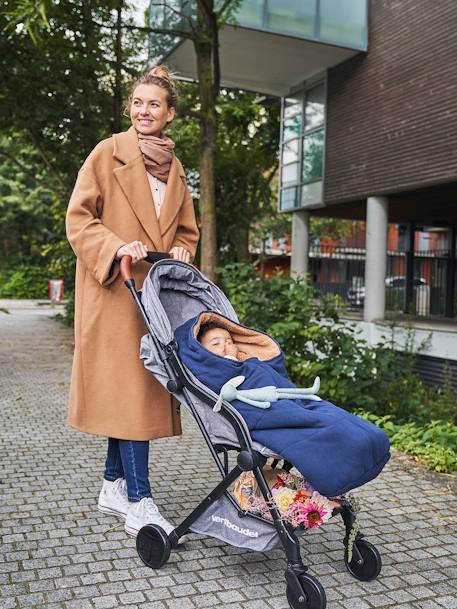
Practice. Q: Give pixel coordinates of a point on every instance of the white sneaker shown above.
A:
(113, 498)
(145, 512)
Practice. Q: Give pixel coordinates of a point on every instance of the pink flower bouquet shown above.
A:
(298, 503)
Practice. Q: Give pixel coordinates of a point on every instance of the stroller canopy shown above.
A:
(174, 292)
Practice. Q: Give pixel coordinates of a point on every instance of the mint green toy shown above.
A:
(261, 397)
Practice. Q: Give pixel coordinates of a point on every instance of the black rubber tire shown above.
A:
(314, 594)
(153, 546)
(371, 565)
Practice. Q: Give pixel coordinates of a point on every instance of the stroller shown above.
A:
(172, 293)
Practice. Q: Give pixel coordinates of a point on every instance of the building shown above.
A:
(368, 130)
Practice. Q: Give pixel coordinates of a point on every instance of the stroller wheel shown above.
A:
(153, 546)
(369, 567)
(313, 596)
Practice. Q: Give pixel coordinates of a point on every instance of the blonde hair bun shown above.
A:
(162, 72)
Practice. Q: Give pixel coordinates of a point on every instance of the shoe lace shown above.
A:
(153, 510)
(120, 488)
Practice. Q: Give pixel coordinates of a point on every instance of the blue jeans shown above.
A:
(129, 459)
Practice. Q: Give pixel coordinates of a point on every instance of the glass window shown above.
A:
(303, 136)
(314, 107)
(250, 13)
(288, 198)
(289, 173)
(290, 152)
(292, 16)
(313, 145)
(344, 22)
(292, 106)
(292, 127)
(292, 118)
(311, 193)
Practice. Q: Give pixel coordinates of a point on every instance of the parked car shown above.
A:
(395, 289)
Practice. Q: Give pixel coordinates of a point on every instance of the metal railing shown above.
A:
(341, 271)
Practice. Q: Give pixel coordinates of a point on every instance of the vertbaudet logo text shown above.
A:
(234, 527)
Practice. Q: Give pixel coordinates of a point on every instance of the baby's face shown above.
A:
(219, 341)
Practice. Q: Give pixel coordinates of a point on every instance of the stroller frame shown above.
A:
(303, 590)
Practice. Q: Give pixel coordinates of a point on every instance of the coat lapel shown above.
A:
(174, 196)
(133, 180)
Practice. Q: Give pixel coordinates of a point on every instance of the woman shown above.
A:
(130, 197)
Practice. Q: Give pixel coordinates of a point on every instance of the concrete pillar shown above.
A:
(376, 258)
(300, 243)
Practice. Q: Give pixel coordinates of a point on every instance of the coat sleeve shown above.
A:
(93, 243)
(187, 233)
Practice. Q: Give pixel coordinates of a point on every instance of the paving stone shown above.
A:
(60, 553)
(8, 603)
(85, 591)
(78, 604)
(381, 600)
(183, 590)
(429, 604)
(105, 602)
(111, 588)
(30, 600)
(181, 603)
(206, 600)
(229, 596)
(132, 597)
(158, 594)
(421, 592)
(400, 596)
(449, 602)
(355, 603)
(59, 595)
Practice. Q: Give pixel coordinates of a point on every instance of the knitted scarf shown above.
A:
(157, 155)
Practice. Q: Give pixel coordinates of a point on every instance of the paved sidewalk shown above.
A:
(58, 552)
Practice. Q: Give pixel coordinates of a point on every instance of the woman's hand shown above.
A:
(179, 253)
(137, 250)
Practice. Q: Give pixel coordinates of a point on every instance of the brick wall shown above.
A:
(392, 113)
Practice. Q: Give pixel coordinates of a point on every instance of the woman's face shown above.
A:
(149, 111)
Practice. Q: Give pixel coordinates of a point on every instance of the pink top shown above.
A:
(158, 189)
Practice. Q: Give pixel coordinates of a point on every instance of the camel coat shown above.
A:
(111, 393)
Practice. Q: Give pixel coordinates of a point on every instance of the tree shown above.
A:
(62, 78)
(246, 165)
(62, 88)
(29, 203)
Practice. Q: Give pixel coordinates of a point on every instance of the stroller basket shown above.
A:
(172, 293)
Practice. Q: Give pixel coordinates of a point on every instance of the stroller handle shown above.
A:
(126, 263)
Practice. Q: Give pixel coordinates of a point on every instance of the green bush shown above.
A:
(24, 282)
(434, 444)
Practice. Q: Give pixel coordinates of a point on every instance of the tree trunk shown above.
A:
(88, 51)
(117, 101)
(206, 48)
(241, 239)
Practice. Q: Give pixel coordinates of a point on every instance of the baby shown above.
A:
(218, 340)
